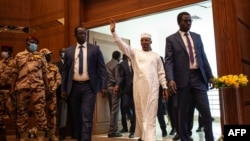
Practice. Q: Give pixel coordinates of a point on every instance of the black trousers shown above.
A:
(161, 113)
(82, 101)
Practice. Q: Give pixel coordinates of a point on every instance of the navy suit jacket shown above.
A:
(59, 64)
(177, 59)
(125, 77)
(96, 68)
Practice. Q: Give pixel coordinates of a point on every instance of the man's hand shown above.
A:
(165, 94)
(116, 89)
(104, 92)
(112, 25)
(211, 82)
(172, 87)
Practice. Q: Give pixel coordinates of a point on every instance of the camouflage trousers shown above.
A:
(51, 111)
(34, 98)
(7, 105)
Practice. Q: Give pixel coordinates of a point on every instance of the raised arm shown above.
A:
(123, 46)
(112, 25)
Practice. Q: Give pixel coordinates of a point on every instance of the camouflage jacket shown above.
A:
(54, 76)
(6, 66)
(29, 67)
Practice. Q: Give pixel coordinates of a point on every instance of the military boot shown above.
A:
(40, 136)
(23, 136)
(52, 136)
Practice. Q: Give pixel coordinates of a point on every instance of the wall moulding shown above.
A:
(95, 12)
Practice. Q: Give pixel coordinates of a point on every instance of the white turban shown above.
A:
(145, 35)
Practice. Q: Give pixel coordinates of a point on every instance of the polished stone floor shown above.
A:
(197, 136)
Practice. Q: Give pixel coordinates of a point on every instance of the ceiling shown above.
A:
(26, 29)
(200, 12)
(159, 19)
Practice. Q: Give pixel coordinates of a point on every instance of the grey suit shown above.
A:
(192, 85)
(82, 95)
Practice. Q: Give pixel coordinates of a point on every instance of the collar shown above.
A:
(84, 44)
(182, 33)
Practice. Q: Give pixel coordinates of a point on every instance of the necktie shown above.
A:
(80, 60)
(191, 55)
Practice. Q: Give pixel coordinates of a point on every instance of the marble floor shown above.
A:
(197, 136)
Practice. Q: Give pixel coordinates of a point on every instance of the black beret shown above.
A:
(32, 38)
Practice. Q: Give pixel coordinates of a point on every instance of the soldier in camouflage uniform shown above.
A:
(6, 107)
(54, 78)
(30, 83)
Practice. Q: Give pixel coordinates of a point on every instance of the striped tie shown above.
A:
(191, 55)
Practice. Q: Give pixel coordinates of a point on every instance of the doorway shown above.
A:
(160, 25)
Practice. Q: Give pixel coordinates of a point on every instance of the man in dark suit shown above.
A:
(124, 84)
(83, 76)
(188, 74)
(62, 104)
(161, 112)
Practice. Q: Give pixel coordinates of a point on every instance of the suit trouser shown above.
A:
(127, 104)
(199, 121)
(194, 95)
(114, 113)
(172, 112)
(82, 101)
(124, 114)
(161, 113)
(61, 117)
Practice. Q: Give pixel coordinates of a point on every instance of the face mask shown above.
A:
(33, 47)
(62, 55)
(4, 54)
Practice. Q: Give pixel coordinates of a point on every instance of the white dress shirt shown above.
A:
(195, 64)
(84, 76)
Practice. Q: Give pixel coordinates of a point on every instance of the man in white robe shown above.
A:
(149, 74)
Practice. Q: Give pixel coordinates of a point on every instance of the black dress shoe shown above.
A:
(140, 139)
(61, 138)
(164, 133)
(124, 130)
(200, 129)
(176, 137)
(73, 137)
(190, 133)
(172, 132)
(131, 135)
(116, 134)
